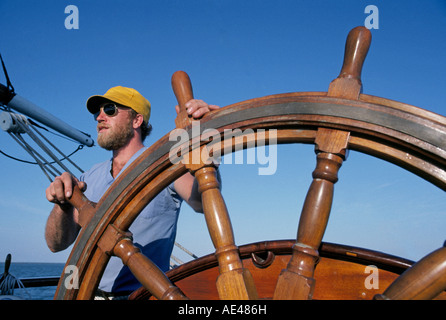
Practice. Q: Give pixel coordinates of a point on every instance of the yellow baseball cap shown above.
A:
(127, 97)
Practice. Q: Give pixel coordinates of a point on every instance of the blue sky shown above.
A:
(233, 51)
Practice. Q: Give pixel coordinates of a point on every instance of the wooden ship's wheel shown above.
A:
(304, 268)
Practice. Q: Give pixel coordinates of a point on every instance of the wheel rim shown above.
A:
(409, 137)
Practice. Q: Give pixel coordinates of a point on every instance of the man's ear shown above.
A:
(138, 121)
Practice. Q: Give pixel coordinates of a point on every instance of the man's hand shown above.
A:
(197, 108)
(61, 189)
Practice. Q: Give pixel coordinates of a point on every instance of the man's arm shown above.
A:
(62, 226)
(187, 186)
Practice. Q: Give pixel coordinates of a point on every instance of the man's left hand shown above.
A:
(197, 108)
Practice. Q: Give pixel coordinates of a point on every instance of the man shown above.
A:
(122, 116)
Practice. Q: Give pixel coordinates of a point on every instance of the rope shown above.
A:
(46, 166)
(8, 81)
(173, 265)
(9, 283)
(172, 257)
(185, 250)
(34, 163)
(28, 126)
(57, 149)
(28, 149)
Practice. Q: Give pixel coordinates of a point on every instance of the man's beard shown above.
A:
(116, 137)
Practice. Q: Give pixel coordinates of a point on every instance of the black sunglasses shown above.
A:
(110, 109)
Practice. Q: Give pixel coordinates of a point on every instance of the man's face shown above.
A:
(114, 132)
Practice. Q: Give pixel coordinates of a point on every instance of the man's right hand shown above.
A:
(61, 189)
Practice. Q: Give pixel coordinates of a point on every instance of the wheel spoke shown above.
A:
(85, 207)
(348, 84)
(423, 281)
(296, 282)
(119, 243)
(234, 281)
(147, 273)
(409, 137)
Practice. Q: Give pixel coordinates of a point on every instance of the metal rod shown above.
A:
(28, 108)
(57, 149)
(25, 127)
(185, 250)
(23, 144)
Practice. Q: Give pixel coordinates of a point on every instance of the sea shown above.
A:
(25, 270)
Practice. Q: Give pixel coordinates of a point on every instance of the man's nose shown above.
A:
(100, 116)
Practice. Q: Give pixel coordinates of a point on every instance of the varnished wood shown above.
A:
(89, 277)
(234, 281)
(340, 273)
(296, 281)
(150, 276)
(409, 137)
(348, 84)
(425, 280)
(182, 89)
(119, 243)
(419, 163)
(85, 207)
(148, 273)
